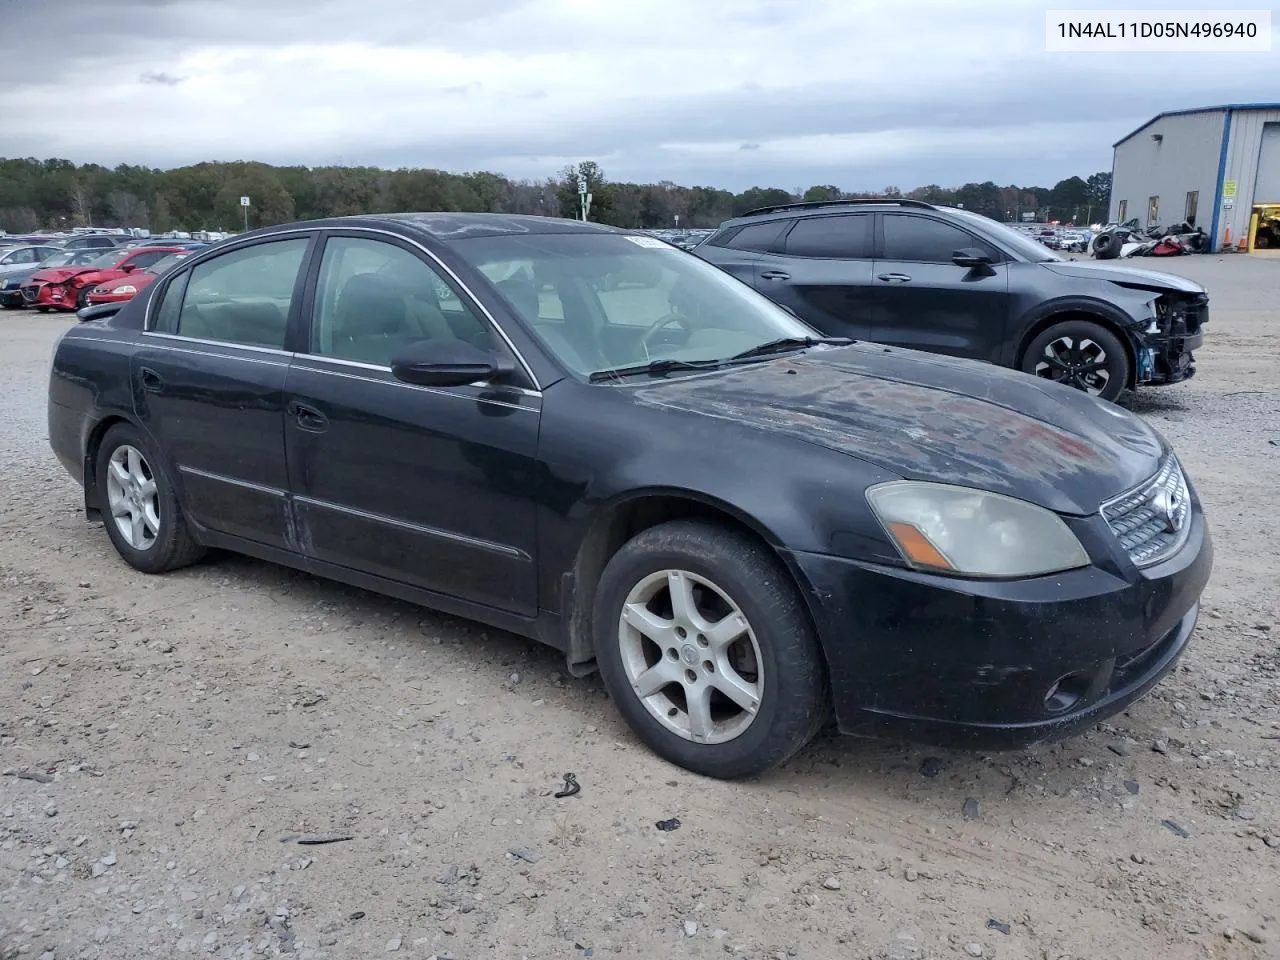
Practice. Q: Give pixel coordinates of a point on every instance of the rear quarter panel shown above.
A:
(88, 383)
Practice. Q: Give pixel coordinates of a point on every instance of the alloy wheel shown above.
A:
(132, 497)
(691, 656)
(1075, 362)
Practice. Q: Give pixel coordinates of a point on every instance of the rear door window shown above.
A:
(840, 237)
(757, 237)
(243, 296)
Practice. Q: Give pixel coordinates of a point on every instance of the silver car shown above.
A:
(18, 259)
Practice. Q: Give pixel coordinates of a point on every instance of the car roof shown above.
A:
(447, 226)
(823, 207)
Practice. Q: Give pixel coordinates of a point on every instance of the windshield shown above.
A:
(61, 259)
(1010, 238)
(106, 259)
(160, 266)
(603, 301)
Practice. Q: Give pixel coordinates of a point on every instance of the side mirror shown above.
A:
(447, 363)
(970, 257)
(129, 267)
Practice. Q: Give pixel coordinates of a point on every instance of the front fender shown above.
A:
(795, 495)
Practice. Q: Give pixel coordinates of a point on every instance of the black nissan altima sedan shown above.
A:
(748, 529)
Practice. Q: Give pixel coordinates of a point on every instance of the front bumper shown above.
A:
(96, 298)
(1165, 351)
(11, 298)
(1000, 664)
(51, 295)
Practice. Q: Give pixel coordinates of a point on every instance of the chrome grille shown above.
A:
(1151, 521)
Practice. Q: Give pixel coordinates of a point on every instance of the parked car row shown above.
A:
(751, 524)
(71, 279)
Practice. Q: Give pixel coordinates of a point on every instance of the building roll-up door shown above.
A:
(1267, 189)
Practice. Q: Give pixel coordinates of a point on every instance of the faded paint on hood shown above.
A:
(1134, 275)
(928, 417)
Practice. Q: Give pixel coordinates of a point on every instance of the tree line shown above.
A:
(58, 194)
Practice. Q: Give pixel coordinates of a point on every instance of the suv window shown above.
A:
(24, 255)
(841, 237)
(925, 240)
(760, 237)
(374, 298)
(243, 296)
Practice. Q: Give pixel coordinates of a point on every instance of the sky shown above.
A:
(862, 94)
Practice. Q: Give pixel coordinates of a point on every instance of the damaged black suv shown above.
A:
(946, 280)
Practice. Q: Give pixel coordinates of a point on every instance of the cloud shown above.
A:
(720, 92)
(160, 77)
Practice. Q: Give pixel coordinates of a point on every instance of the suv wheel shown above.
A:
(1080, 354)
(706, 648)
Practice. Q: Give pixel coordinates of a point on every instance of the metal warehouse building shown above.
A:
(1215, 166)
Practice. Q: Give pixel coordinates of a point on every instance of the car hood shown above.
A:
(1153, 279)
(57, 274)
(928, 417)
(92, 278)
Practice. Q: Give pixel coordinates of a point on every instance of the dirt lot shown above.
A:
(186, 724)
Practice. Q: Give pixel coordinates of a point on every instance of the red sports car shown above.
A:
(128, 287)
(67, 288)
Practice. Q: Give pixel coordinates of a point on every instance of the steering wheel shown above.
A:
(662, 323)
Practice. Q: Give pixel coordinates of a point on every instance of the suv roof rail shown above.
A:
(848, 201)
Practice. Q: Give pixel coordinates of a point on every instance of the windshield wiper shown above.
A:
(789, 343)
(652, 367)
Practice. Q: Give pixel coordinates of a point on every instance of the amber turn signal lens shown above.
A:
(915, 546)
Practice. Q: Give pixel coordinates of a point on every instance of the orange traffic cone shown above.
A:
(1226, 243)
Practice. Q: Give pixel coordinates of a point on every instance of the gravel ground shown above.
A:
(179, 728)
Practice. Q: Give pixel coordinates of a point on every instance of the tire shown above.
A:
(11, 306)
(1082, 344)
(167, 544)
(789, 691)
(1107, 246)
(82, 298)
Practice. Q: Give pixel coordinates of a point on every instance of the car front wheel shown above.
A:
(139, 505)
(1080, 354)
(707, 650)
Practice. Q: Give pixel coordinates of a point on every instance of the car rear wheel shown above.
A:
(139, 506)
(1080, 354)
(707, 650)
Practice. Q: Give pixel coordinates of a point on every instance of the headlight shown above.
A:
(127, 288)
(973, 533)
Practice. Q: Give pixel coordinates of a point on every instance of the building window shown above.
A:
(1193, 201)
(1153, 210)
(1123, 213)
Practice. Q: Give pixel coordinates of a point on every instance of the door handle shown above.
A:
(775, 275)
(151, 381)
(893, 277)
(309, 418)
